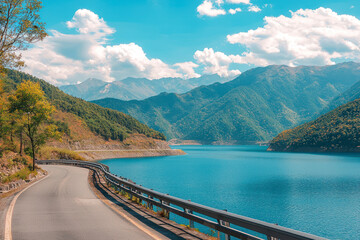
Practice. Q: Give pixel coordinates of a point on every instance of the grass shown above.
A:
(59, 153)
(22, 174)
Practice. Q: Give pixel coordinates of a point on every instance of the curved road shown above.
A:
(63, 206)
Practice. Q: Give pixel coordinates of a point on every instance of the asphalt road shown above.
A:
(62, 206)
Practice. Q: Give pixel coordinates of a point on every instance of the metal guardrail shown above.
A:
(167, 202)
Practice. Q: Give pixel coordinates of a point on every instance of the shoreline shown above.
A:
(179, 142)
(98, 155)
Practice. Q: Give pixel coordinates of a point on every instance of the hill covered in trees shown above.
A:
(255, 106)
(336, 131)
(107, 123)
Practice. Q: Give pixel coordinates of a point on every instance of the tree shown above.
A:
(20, 26)
(3, 104)
(30, 103)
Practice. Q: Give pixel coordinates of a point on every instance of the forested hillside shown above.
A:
(256, 106)
(107, 123)
(336, 131)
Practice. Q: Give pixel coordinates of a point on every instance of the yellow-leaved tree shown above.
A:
(30, 104)
(20, 26)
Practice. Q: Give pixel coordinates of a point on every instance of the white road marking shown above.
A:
(9, 213)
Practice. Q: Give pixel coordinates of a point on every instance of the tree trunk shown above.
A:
(33, 153)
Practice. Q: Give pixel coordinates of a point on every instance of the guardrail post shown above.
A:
(149, 204)
(226, 224)
(140, 200)
(166, 212)
(191, 222)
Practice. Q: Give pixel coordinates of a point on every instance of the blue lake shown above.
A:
(314, 193)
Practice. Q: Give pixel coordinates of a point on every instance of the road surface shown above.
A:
(62, 206)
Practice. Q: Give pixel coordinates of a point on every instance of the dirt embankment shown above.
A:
(134, 146)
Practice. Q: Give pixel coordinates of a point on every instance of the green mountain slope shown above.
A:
(348, 96)
(336, 131)
(137, 88)
(107, 123)
(256, 106)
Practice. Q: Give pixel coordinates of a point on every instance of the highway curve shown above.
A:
(62, 206)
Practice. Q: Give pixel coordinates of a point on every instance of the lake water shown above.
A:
(314, 193)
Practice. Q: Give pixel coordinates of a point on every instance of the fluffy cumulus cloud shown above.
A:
(68, 58)
(85, 21)
(213, 8)
(307, 37)
(217, 62)
(207, 8)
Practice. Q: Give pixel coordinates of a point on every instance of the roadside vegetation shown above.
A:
(14, 167)
(46, 153)
(22, 112)
(25, 126)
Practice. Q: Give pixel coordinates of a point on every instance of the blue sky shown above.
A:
(184, 38)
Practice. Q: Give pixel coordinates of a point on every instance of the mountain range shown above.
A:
(137, 88)
(256, 106)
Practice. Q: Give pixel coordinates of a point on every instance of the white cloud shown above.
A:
(233, 11)
(85, 21)
(238, 1)
(207, 8)
(216, 62)
(310, 37)
(187, 69)
(254, 8)
(68, 58)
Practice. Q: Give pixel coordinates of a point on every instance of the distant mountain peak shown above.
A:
(132, 88)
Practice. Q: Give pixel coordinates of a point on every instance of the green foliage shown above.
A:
(256, 106)
(22, 174)
(107, 123)
(62, 127)
(32, 109)
(336, 131)
(3, 116)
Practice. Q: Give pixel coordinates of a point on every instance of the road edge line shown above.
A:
(9, 213)
(128, 218)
